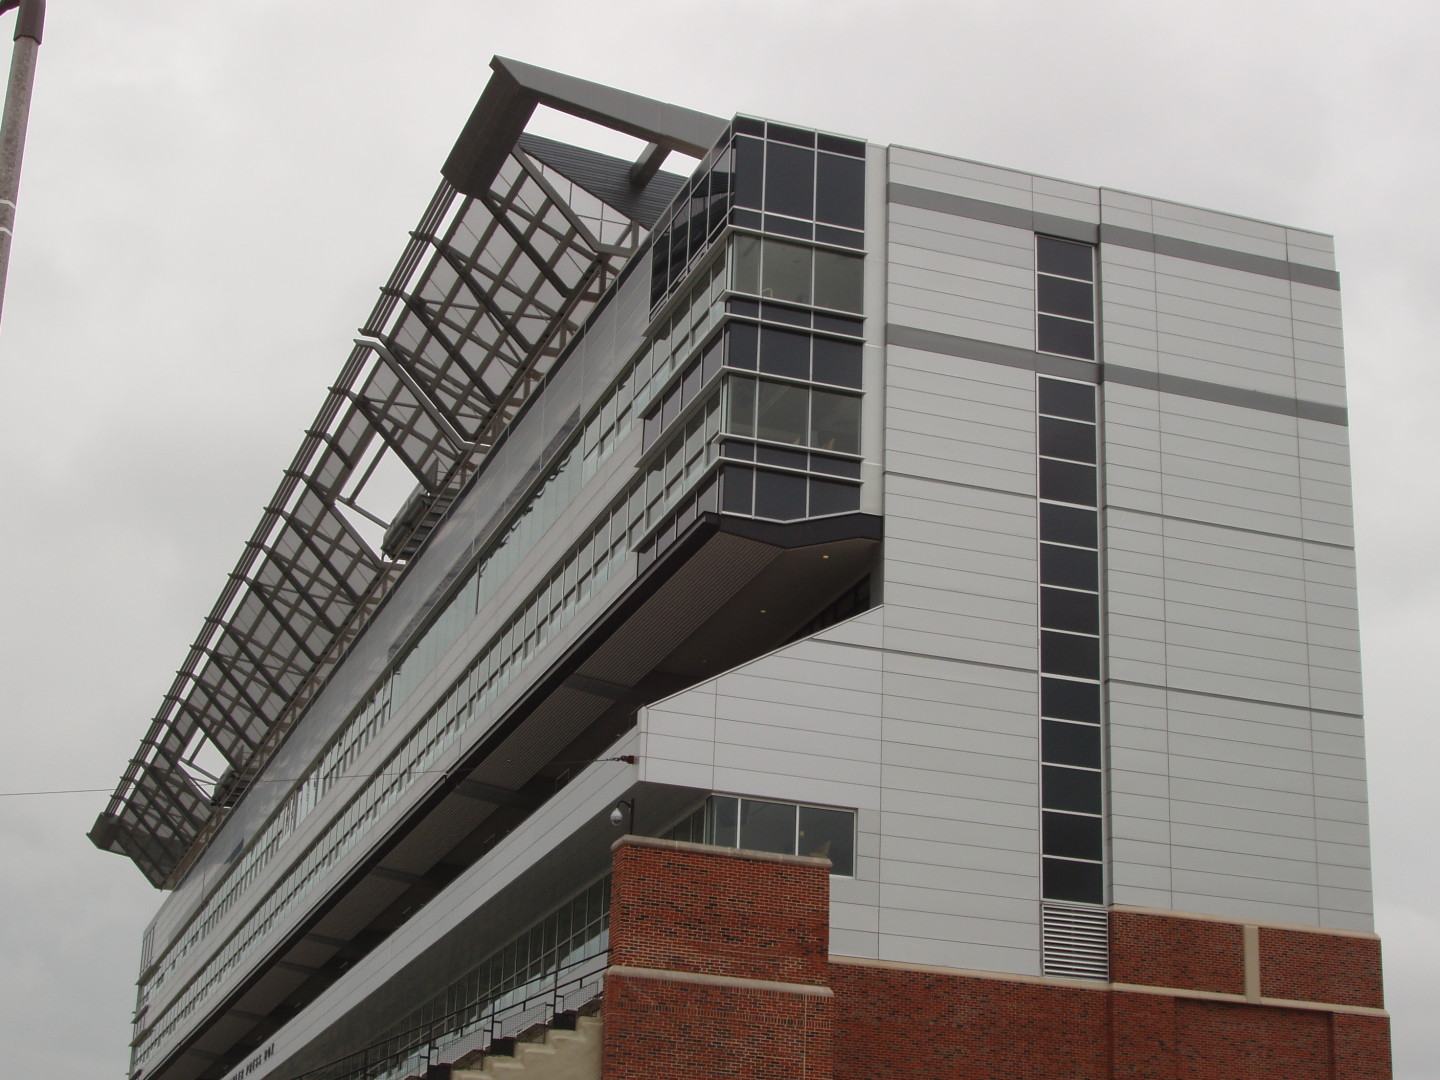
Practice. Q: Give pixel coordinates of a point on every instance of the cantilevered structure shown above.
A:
(947, 571)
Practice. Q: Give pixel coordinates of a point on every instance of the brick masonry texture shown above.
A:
(691, 912)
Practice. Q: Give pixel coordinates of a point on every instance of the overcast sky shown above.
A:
(213, 193)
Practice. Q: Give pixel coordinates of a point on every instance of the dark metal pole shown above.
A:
(29, 27)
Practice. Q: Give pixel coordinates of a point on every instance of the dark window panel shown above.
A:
(1070, 744)
(1074, 882)
(748, 125)
(829, 234)
(736, 306)
(779, 496)
(690, 384)
(1072, 836)
(724, 821)
(839, 281)
(1072, 567)
(1061, 398)
(1069, 525)
(788, 315)
(1070, 789)
(839, 324)
(837, 145)
(1061, 296)
(737, 490)
(835, 466)
(749, 173)
(789, 180)
(734, 448)
(784, 226)
(834, 421)
(793, 135)
(829, 834)
(653, 427)
(1066, 481)
(1069, 654)
(840, 191)
(741, 344)
(767, 826)
(784, 352)
(787, 272)
(745, 264)
(838, 362)
(1061, 609)
(712, 361)
(746, 219)
(1066, 337)
(1067, 439)
(785, 459)
(783, 413)
(829, 497)
(1066, 700)
(1066, 257)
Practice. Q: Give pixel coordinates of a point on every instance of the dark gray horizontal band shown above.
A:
(1227, 528)
(910, 337)
(1089, 233)
(1236, 697)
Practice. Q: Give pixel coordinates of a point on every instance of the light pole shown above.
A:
(29, 26)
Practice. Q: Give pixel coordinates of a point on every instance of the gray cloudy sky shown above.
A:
(214, 192)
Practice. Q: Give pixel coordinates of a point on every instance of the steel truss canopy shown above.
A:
(521, 240)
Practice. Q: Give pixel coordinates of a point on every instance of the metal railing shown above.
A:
(472, 1027)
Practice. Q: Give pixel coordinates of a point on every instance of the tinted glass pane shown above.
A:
(837, 362)
(828, 497)
(783, 313)
(835, 422)
(1068, 654)
(1070, 744)
(786, 272)
(797, 136)
(740, 345)
(786, 459)
(839, 324)
(767, 826)
(1061, 296)
(839, 281)
(1061, 609)
(789, 180)
(745, 263)
(779, 496)
(749, 125)
(1060, 398)
(749, 172)
(783, 413)
(1064, 257)
(840, 191)
(835, 466)
(785, 226)
(1068, 525)
(830, 234)
(1070, 789)
(740, 393)
(1067, 337)
(738, 490)
(1067, 439)
(829, 834)
(1066, 481)
(1067, 700)
(784, 352)
(724, 821)
(1077, 882)
(1073, 837)
(853, 147)
(1072, 567)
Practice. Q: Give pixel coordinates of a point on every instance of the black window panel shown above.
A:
(785, 459)
(797, 136)
(771, 312)
(1061, 609)
(784, 226)
(767, 826)
(1075, 882)
(1067, 439)
(1070, 744)
(837, 145)
(748, 125)
(659, 270)
(1067, 337)
(784, 352)
(690, 383)
(711, 362)
(1072, 567)
(840, 191)
(1066, 257)
(829, 497)
(737, 306)
(746, 219)
(790, 180)
(830, 234)
(737, 490)
(1070, 789)
(829, 834)
(741, 345)
(1069, 654)
(1066, 481)
(840, 324)
(734, 448)
(1069, 525)
(1072, 836)
(779, 496)
(653, 427)
(1072, 399)
(671, 408)
(1066, 700)
(838, 362)
(835, 466)
(1061, 296)
(749, 174)
(724, 821)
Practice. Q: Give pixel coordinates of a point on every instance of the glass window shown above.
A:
(838, 362)
(1070, 789)
(1072, 567)
(1061, 609)
(1065, 257)
(829, 834)
(1061, 296)
(1069, 654)
(724, 821)
(749, 172)
(1073, 836)
(740, 395)
(1077, 882)
(1067, 337)
(835, 422)
(767, 826)
(783, 413)
(738, 490)
(1066, 481)
(784, 352)
(840, 191)
(740, 345)
(779, 496)
(789, 180)
(829, 497)
(1067, 439)
(1068, 525)
(786, 272)
(745, 264)
(1070, 744)
(1068, 700)
(1072, 399)
(839, 281)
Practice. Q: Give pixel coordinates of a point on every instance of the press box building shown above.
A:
(986, 535)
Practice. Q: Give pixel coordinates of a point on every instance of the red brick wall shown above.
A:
(1187, 954)
(1215, 1040)
(1305, 966)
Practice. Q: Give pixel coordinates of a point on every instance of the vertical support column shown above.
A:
(29, 28)
(719, 964)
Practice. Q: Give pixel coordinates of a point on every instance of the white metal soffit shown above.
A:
(520, 242)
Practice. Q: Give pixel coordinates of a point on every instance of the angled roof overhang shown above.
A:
(520, 242)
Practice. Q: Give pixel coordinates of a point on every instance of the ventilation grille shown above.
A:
(1075, 942)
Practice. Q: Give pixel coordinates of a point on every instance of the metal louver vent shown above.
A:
(1074, 942)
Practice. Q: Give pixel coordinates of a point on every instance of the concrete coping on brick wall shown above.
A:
(629, 840)
(1234, 920)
